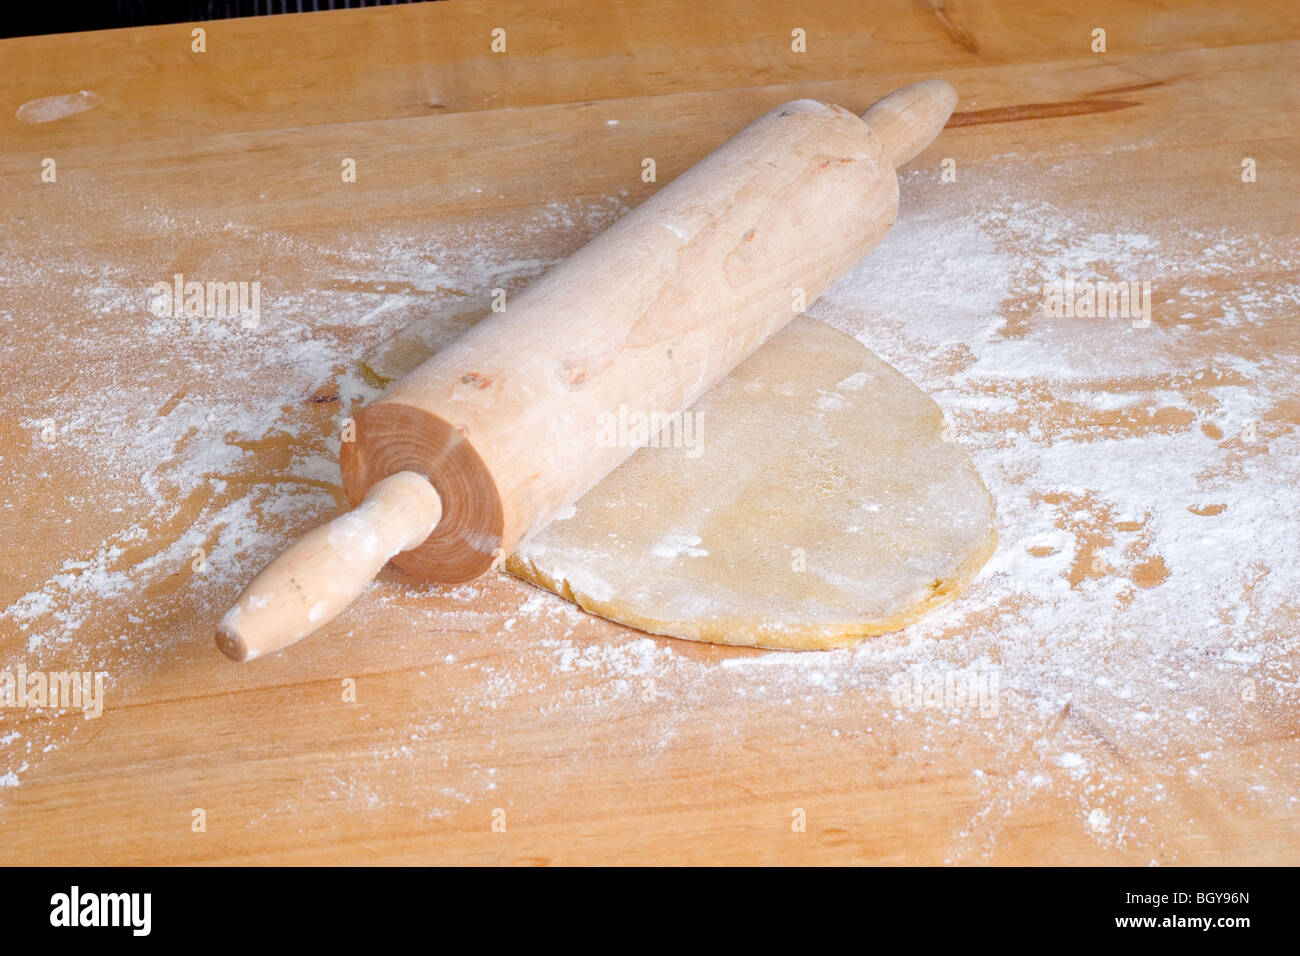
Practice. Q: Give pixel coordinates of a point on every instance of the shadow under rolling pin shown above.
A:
(482, 444)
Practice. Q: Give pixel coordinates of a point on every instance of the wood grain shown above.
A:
(229, 161)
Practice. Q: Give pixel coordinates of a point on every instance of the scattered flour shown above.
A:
(47, 109)
(1135, 612)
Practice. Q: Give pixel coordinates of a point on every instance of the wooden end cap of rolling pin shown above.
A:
(459, 462)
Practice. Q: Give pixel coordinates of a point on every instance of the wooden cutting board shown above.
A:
(151, 462)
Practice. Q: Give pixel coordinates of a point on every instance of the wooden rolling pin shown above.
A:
(461, 460)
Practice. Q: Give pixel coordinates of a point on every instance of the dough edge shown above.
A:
(739, 633)
(808, 636)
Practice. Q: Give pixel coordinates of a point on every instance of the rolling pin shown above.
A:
(460, 461)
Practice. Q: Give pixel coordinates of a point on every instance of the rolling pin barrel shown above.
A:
(503, 426)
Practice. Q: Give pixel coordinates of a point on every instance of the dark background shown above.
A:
(50, 16)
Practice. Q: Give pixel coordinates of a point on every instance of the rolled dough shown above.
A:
(824, 506)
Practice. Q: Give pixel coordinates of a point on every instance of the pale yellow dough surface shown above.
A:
(825, 506)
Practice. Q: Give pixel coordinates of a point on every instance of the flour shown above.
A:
(47, 109)
(1134, 612)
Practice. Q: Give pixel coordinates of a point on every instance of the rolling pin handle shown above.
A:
(907, 120)
(316, 577)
